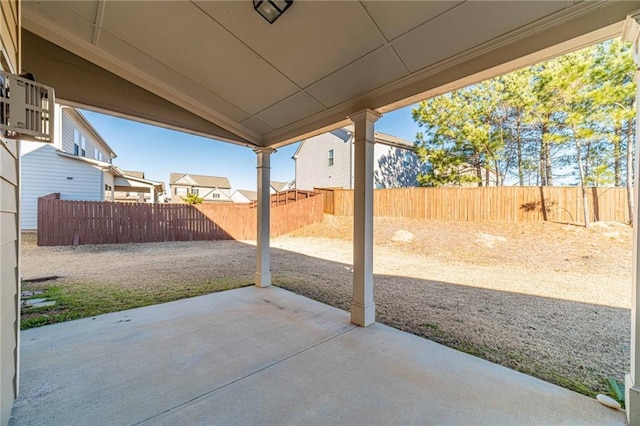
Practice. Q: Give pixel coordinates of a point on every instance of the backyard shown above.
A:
(551, 300)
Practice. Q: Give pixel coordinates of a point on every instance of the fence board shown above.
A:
(61, 222)
(507, 204)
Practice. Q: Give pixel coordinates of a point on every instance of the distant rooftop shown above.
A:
(200, 180)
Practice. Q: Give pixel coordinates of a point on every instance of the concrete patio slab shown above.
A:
(268, 356)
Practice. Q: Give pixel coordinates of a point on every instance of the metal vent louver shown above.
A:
(26, 109)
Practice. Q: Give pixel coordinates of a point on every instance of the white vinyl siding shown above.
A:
(9, 227)
(214, 194)
(313, 167)
(44, 171)
(74, 134)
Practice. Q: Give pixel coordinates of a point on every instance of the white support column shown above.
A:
(263, 263)
(632, 380)
(363, 309)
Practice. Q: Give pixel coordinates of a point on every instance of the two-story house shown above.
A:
(209, 188)
(78, 165)
(327, 161)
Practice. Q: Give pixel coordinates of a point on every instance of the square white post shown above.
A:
(632, 380)
(263, 263)
(363, 309)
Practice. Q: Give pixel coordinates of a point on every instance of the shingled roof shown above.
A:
(201, 180)
(278, 186)
(134, 173)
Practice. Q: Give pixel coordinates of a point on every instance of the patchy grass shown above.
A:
(550, 300)
(76, 300)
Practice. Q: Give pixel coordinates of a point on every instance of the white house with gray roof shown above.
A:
(77, 164)
(209, 188)
(327, 161)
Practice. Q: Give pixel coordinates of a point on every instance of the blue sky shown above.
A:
(158, 152)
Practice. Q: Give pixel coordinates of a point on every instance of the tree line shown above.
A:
(569, 120)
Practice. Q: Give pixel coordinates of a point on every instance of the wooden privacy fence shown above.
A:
(63, 222)
(506, 203)
(286, 197)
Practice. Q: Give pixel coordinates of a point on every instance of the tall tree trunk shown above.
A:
(617, 156)
(542, 165)
(519, 151)
(630, 172)
(545, 158)
(585, 206)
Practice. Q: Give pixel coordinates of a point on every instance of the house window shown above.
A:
(195, 191)
(76, 142)
(79, 143)
(215, 195)
(330, 157)
(108, 192)
(181, 191)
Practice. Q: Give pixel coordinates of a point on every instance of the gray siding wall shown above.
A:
(69, 126)
(9, 225)
(44, 171)
(312, 162)
(394, 167)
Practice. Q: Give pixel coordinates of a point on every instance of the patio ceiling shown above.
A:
(220, 70)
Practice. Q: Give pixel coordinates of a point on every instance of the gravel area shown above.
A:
(551, 300)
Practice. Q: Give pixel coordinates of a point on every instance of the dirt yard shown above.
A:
(551, 300)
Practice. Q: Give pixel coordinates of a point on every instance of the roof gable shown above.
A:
(203, 181)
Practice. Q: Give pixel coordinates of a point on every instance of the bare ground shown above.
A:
(551, 300)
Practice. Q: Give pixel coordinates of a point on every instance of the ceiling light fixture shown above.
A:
(271, 9)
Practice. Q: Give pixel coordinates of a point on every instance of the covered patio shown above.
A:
(263, 355)
(268, 356)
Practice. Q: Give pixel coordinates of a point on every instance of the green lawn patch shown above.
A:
(76, 300)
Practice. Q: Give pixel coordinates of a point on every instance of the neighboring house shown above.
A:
(77, 165)
(244, 196)
(281, 186)
(327, 161)
(209, 188)
(132, 187)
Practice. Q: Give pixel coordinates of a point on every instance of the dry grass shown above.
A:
(547, 299)
(546, 245)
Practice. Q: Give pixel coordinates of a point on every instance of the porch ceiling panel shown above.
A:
(82, 83)
(399, 17)
(183, 38)
(292, 109)
(319, 63)
(158, 71)
(317, 38)
(361, 76)
(74, 17)
(429, 44)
